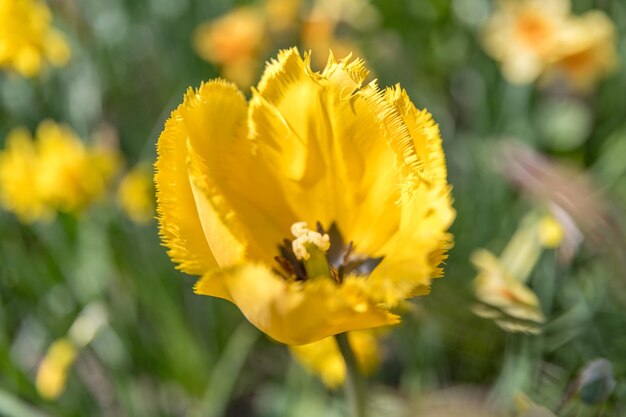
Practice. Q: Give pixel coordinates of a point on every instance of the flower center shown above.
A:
(320, 253)
(534, 30)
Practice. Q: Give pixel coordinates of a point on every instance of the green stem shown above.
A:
(222, 382)
(355, 385)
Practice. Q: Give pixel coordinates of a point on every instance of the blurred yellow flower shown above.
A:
(586, 50)
(239, 185)
(27, 39)
(233, 41)
(135, 194)
(53, 370)
(72, 175)
(54, 172)
(52, 373)
(551, 233)
(523, 36)
(504, 298)
(500, 283)
(323, 357)
(19, 183)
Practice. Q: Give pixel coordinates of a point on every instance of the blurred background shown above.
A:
(530, 96)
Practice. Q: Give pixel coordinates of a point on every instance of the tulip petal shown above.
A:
(291, 312)
(419, 246)
(214, 116)
(230, 184)
(221, 229)
(330, 143)
(179, 225)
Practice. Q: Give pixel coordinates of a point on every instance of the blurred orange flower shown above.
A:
(523, 36)
(319, 31)
(586, 50)
(535, 39)
(234, 42)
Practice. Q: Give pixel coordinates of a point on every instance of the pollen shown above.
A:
(305, 237)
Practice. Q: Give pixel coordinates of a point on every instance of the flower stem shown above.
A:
(355, 385)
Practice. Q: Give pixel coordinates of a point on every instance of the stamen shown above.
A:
(320, 253)
(299, 229)
(306, 239)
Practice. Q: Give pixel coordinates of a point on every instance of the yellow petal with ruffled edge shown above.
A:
(207, 168)
(214, 116)
(350, 153)
(292, 312)
(179, 224)
(414, 253)
(226, 173)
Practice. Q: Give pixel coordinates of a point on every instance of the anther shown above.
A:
(310, 248)
(306, 240)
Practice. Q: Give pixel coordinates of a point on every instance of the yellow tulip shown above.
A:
(241, 186)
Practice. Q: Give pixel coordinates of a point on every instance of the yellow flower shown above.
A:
(523, 36)
(52, 373)
(324, 358)
(500, 283)
(53, 370)
(54, 172)
(71, 175)
(240, 184)
(586, 50)
(505, 299)
(27, 39)
(551, 233)
(233, 41)
(135, 194)
(19, 182)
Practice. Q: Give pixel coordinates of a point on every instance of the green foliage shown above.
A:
(167, 352)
